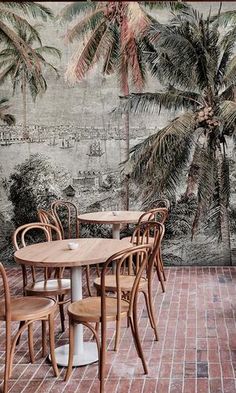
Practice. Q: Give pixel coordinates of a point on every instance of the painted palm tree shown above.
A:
(197, 65)
(112, 33)
(5, 116)
(14, 67)
(12, 17)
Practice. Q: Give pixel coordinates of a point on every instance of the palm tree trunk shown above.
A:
(127, 146)
(125, 92)
(24, 95)
(225, 233)
(193, 175)
(224, 215)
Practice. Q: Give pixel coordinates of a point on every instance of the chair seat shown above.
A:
(126, 282)
(49, 287)
(89, 309)
(27, 308)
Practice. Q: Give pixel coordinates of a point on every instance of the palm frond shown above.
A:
(48, 50)
(151, 102)
(25, 50)
(173, 5)
(4, 115)
(30, 8)
(84, 60)
(20, 24)
(225, 18)
(227, 113)
(230, 73)
(112, 57)
(227, 45)
(227, 94)
(159, 160)
(72, 10)
(136, 65)
(88, 23)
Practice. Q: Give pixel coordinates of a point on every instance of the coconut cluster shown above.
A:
(206, 116)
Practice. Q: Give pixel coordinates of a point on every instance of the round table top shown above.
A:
(57, 254)
(108, 217)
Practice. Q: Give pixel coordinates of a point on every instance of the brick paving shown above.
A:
(196, 352)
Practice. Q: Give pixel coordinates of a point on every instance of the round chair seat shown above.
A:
(49, 287)
(89, 309)
(27, 308)
(126, 282)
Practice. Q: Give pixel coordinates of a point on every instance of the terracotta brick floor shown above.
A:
(196, 352)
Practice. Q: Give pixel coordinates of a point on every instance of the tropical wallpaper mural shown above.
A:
(118, 105)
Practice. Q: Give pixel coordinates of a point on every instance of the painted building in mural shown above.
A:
(75, 128)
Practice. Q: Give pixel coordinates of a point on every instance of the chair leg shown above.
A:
(31, 342)
(150, 315)
(134, 324)
(151, 307)
(162, 267)
(18, 340)
(62, 316)
(159, 275)
(102, 357)
(117, 337)
(44, 338)
(13, 345)
(71, 350)
(52, 344)
(7, 357)
(87, 275)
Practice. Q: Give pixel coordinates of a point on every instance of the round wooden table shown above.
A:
(116, 218)
(56, 254)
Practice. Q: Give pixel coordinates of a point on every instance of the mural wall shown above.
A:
(70, 143)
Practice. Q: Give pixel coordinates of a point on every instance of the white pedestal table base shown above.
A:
(88, 356)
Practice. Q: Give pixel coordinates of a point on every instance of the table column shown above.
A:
(84, 352)
(116, 231)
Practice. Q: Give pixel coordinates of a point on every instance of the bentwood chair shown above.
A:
(26, 310)
(159, 214)
(141, 236)
(52, 284)
(66, 214)
(104, 308)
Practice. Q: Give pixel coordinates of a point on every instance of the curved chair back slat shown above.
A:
(6, 292)
(158, 214)
(66, 214)
(19, 240)
(144, 232)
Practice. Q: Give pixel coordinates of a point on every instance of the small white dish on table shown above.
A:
(73, 245)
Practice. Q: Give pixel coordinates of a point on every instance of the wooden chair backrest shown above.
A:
(19, 241)
(6, 294)
(121, 258)
(66, 214)
(142, 234)
(46, 217)
(158, 214)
